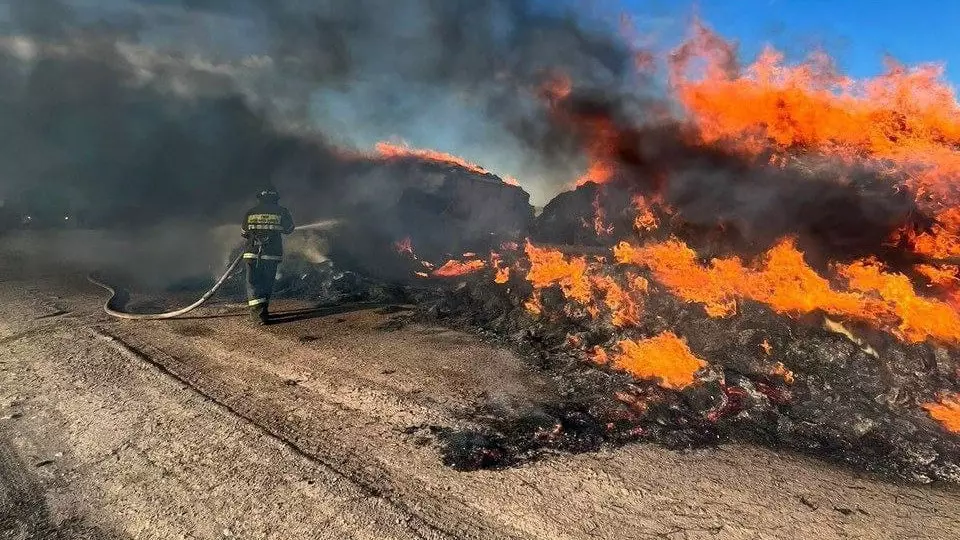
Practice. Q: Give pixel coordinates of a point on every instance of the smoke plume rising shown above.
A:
(152, 115)
(146, 115)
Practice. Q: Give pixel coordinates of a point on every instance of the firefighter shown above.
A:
(263, 228)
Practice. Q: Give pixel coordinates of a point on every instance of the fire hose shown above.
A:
(203, 299)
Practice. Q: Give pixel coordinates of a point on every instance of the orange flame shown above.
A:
(601, 148)
(599, 356)
(580, 283)
(625, 310)
(459, 268)
(665, 358)
(550, 267)
(599, 172)
(599, 218)
(599, 132)
(946, 411)
(920, 318)
(645, 220)
(904, 121)
(391, 150)
(788, 285)
(943, 276)
(534, 305)
(781, 371)
(503, 276)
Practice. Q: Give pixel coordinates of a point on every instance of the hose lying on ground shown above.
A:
(170, 314)
(203, 299)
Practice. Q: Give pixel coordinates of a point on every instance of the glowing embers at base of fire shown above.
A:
(665, 358)
(946, 411)
(459, 268)
(471, 264)
(783, 281)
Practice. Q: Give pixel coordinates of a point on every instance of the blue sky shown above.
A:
(857, 33)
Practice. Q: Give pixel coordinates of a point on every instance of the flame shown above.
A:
(624, 308)
(665, 358)
(534, 305)
(781, 371)
(602, 144)
(599, 356)
(783, 281)
(599, 133)
(645, 220)
(906, 120)
(550, 267)
(599, 172)
(903, 125)
(944, 276)
(454, 268)
(503, 276)
(393, 151)
(946, 411)
(599, 218)
(920, 318)
(579, 282)
(945, 279)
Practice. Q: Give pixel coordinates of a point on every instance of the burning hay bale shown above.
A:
(778, 266)
(640, 362)
(429, 211)
(760, 273)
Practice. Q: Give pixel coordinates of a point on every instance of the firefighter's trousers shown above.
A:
(261, 274)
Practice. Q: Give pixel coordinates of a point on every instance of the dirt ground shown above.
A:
(211, 428)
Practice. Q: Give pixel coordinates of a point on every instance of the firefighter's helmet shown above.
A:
(268, 194)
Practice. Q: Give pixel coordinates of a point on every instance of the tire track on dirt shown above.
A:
(422, 525)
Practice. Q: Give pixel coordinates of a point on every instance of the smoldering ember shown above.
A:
(737, 273)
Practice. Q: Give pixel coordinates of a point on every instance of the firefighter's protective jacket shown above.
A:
(262, 227)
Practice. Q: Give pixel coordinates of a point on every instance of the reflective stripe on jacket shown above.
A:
(264, 226)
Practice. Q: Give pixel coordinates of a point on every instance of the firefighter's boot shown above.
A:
(260, 314)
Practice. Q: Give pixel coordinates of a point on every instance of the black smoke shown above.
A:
(138, 113)
(134, 112)
(724, 202)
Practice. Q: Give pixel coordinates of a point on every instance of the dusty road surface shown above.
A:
(209, 428)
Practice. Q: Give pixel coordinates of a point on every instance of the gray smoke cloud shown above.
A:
(131, 110)
(151, 115)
